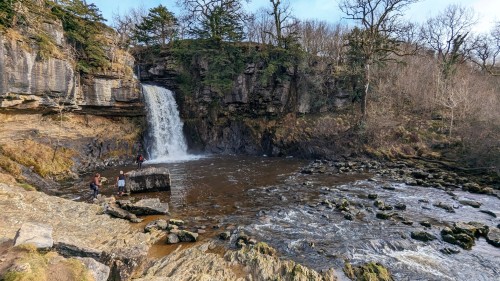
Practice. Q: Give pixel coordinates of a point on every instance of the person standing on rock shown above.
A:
(120, 182)
(139, 161)
(95, 185)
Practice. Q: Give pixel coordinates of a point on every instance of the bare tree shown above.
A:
(486, 51)
(448, 35)
(259, 28)
(375, 40)
(285, 25)
(125, 25)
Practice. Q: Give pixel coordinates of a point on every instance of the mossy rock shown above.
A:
(368, 272)
(265, 249)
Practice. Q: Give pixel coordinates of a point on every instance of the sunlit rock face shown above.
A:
(32, 82)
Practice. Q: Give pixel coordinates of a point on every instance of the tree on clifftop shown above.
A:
(216, 19)
(373, 41)
(158, 27)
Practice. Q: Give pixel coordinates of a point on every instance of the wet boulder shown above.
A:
(151, 206)
(384, 216)
(176, 222)
(370, 271)
(449, 251)
(493, 237)
(472, 203)
(422, 236)
(148, 179)
(446, 207)
(187, 236)
(461, 234)
(157, 224)
(172, 238)
(400, 206)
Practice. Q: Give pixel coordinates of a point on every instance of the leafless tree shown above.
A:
(376, 40)
(285, 25)
(125, 25)
(321, 38)
(448, 34)
(259, 27)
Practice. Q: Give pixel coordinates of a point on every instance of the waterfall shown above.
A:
(166, 141)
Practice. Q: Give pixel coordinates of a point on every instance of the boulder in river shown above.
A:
(370, 271)
(37, 234)
(157, 224)
(172, 238)
(493, 237)
(148, 179)
(461, 234)
(472, 203)
(422, 236)
(187, 236)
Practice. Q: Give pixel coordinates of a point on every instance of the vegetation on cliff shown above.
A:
(87, 38)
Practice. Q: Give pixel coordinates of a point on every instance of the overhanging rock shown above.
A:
(148, 179)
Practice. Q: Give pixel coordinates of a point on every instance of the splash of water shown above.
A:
(167, 142)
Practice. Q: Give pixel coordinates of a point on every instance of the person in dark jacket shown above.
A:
(139, 161)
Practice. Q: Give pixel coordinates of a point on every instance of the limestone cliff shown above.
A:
(236, 98)
(38, 73)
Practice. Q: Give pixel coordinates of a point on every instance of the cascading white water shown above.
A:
(167, 142)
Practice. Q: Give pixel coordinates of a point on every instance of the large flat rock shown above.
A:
(148, 179)
(37, 234)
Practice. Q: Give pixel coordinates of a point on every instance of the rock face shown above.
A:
(148, 179)
(33, 233)
(234, 118)
(34, 84)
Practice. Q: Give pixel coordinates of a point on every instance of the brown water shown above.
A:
(271, 200)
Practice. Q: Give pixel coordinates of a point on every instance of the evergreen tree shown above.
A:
(84, 26)
(158, 27)
(216, 19)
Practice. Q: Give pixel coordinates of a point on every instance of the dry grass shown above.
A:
(45, 160)
(27, 264)
(10, 166)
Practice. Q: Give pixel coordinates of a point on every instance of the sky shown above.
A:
(488, 11)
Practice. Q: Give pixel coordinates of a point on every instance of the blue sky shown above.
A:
(488, 10)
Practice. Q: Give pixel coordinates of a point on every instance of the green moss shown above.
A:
(265, 249)
(27, 187)
(368, 272)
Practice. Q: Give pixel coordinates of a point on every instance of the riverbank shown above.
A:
(83, 230)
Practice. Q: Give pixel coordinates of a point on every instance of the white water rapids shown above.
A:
(166, 139)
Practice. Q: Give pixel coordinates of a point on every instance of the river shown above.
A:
(271, 200)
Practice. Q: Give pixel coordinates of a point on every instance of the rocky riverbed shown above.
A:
(340, 219)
